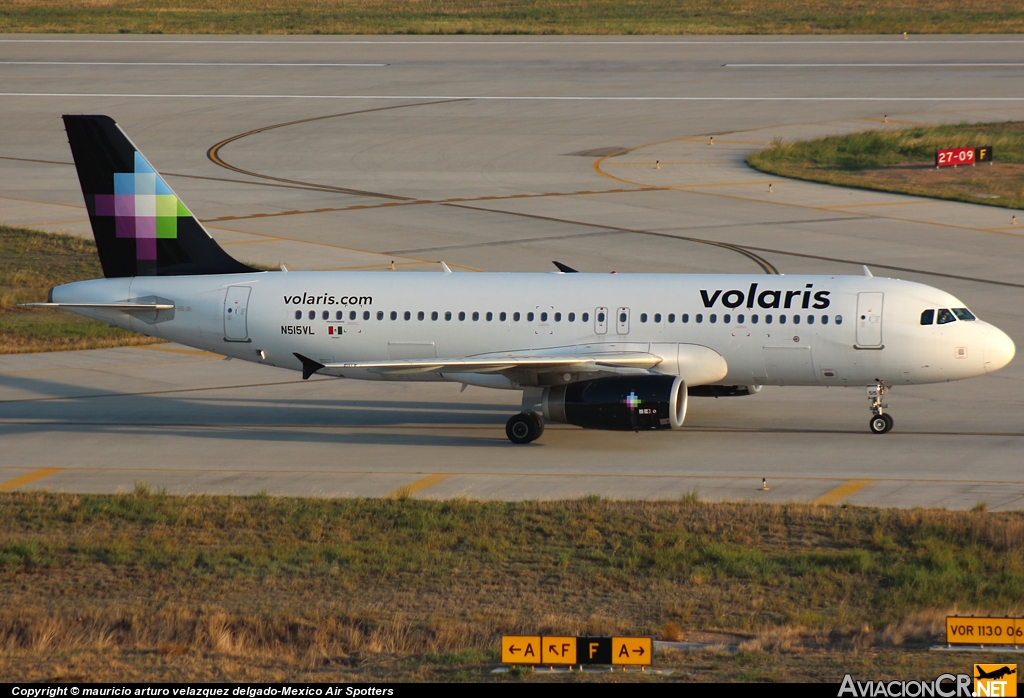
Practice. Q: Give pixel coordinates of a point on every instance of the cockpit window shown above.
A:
(928, 317)
(945, 316)
(963, 314)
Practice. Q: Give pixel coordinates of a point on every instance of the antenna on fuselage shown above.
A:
(867, 272)
(445, 268)
(565, 268)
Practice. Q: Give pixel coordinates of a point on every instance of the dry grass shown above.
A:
(512, 16)
(903, 161)
(147, 586)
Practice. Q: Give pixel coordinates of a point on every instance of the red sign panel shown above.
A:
(948, 157)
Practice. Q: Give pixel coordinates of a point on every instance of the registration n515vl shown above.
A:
(603, 351)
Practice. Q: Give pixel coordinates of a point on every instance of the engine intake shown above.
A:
(626, 403)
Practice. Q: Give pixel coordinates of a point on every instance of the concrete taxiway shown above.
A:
(503, 154)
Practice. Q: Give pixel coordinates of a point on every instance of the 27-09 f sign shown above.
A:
(951, 157)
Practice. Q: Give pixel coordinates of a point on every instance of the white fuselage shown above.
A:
(775, 330)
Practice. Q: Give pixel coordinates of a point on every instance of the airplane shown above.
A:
(597, 350)
(995, 673)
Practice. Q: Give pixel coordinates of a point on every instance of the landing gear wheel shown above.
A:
(879, 424)
(524, 428)
(888, 422)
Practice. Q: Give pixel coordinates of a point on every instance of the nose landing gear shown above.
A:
(880, 422)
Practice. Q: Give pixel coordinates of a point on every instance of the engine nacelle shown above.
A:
(625, 403)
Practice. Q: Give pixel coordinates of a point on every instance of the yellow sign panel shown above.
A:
(631, 650)
(520, 649)
(995, 680)
(558, 650)
(984, 631)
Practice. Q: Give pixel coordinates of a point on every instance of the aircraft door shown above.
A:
(601, 321)
(236, 302)
(622, 320)
(869, 319)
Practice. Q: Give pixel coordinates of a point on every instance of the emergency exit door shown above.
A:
(869, 319)
(236, 302)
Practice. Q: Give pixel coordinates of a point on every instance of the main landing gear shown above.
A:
(524, 428)
(880, 421)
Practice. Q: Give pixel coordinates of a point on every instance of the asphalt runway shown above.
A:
(504, 154)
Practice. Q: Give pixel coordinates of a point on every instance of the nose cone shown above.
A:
(999, 349)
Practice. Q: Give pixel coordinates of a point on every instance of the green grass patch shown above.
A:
(903, 161)
(32, 262)
(512, 17)
(430, 586)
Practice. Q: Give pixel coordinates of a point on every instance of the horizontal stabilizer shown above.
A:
(127, 307)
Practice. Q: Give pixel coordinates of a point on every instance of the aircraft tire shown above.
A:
(523, 428)
(879, 424)
(888, 423)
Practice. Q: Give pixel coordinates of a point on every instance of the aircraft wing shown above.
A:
(614, 362)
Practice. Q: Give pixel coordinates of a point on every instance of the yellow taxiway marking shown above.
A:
(887, 203)
(419, 485)
(190, 352)
(28, 479)
(842, 492)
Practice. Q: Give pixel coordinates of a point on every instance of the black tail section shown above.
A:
(141, 227)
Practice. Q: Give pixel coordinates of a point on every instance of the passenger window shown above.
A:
(782, 319)
(685, 318)
(502, 316)
(657, 317)
(366, 314)
(476, 316)
(352, 315)
(699, 318)
(312, 315)
(824, 319)
(839, 319)
(767, 319)
(622, 317)
(420, 315)
(433, 315)
(447, 315)
(338, 315)
(810, 319)
(796, 319)
(963, 314)
(298, 314)
(740, 319)
(753, 319)
(462, 315)
(543, 317)
(529, 317)
(671, 317)
(394, 315)
(727, 319)
(407, 315)
(515, 317)
(572, 317)
(600, 317)
(928, 317)
(643, 317)
(585, 317)
(558, 317)
(490, 316)
(945, 317)
(380, 314)
(713, 318)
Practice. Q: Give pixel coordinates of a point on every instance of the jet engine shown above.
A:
(623, 403)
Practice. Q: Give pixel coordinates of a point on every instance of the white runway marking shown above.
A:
(873, 65)
(511, 98)
(515, 42)
(222, 65)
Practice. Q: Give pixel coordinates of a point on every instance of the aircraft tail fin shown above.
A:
(141, 227)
